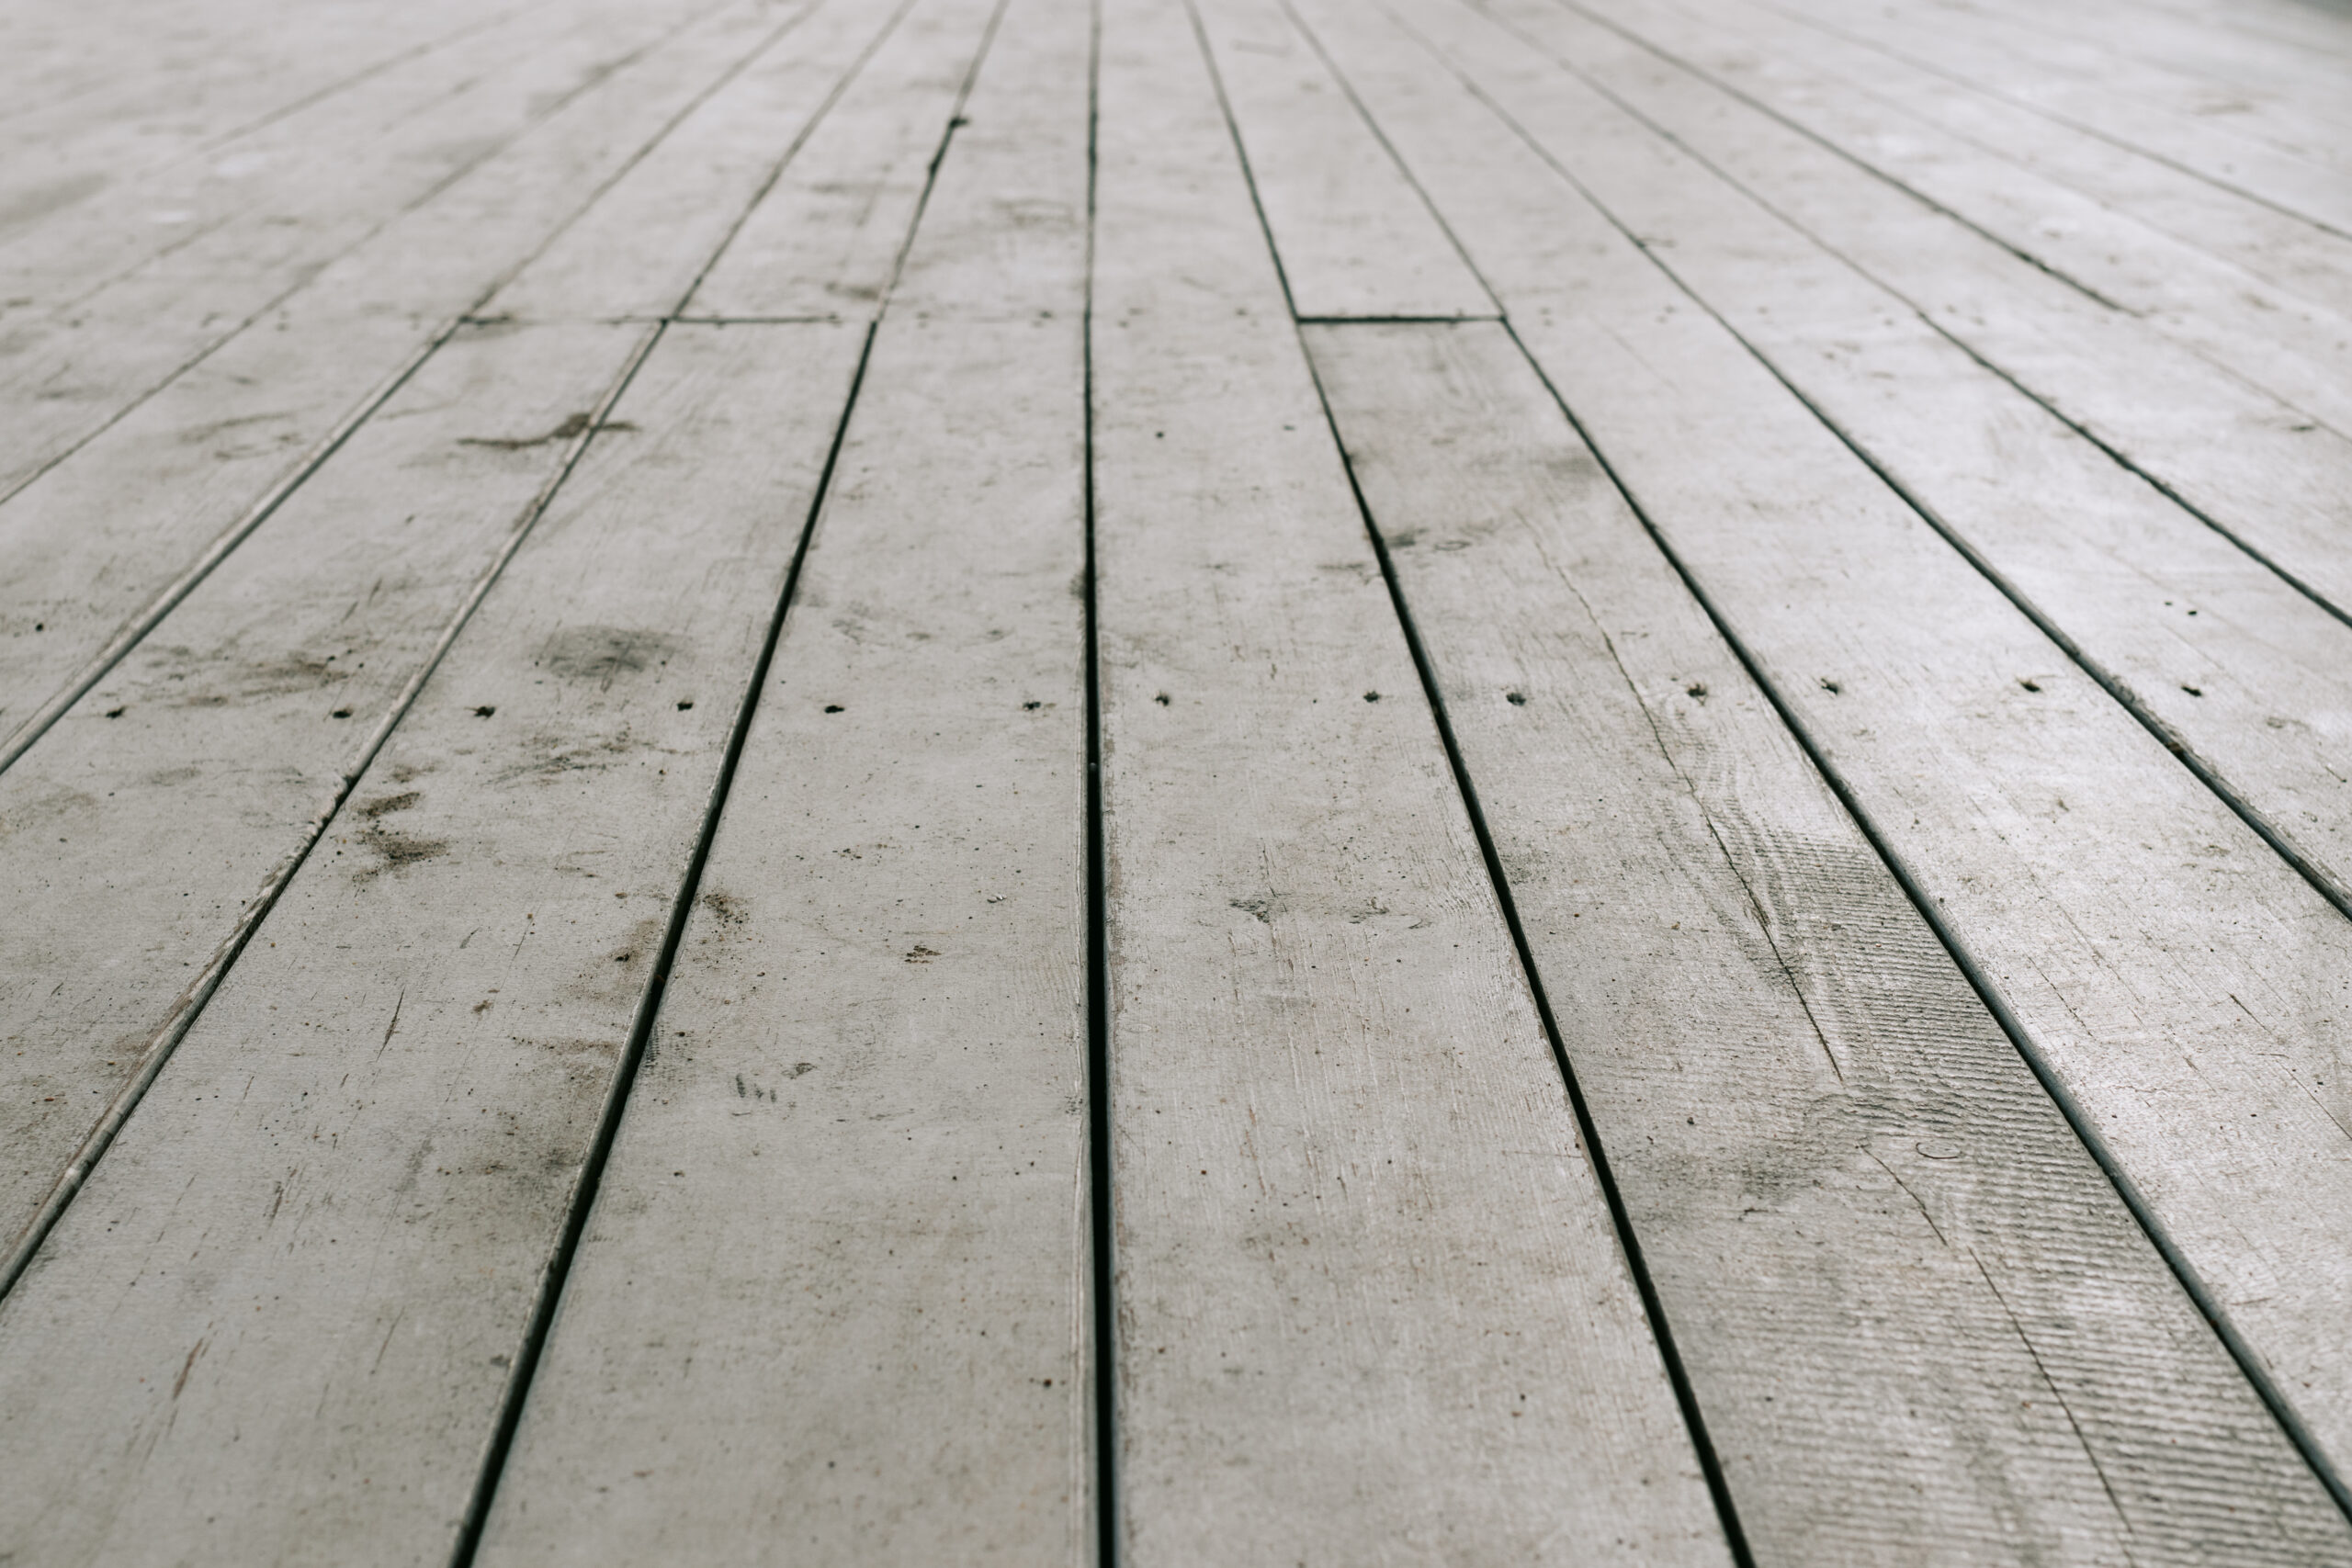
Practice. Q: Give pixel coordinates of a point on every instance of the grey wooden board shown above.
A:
(813, 248)
(859, 1145)
(107, 538)
(147, 831)
(2183, 985)
(2285, 251)
(76, 370)
(2316, 191)
(95, 215)
(187, 92)
(278, 1325)
(1895, 1219)
(1370, 1307)
(1354, 238)
(639, 250)
(2234, 319)
(2271, 475)
(2249, 675)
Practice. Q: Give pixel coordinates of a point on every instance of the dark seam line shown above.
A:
(2216, 1317)
(558, 1270)
(1494, 315)
(167, 1040)
(145, 621)
(2322, 881)
(1103, 1229)
(1686, 1397)
(2322, 225)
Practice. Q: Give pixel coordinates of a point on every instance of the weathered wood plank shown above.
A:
(2292, 347)
(1354, 239)
(1921, 1325)
(103, 543)
(859, 1143)
(2248, 676)
(2285, 251)
(2315, 191)
(2269, 474)
(279, 1324)
(150, 830)
(1370, 1305)
(2180, 983)
(77, 367)
(812, 250)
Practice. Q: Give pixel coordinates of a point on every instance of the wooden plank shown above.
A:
(174, 145)
(2251, 679)
(154, 824)
(640, 248)
(1895, 1220)
(279, 1324)
(867, 1097)
(1353, 237)
(2298, 352)
(2175, 980)
(1370, 1305)
(2316, 191)
(2284, 250)
(105, 542)
(811, 249)
(78, 366)
(2262, 470)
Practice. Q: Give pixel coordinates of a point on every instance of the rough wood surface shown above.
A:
(2180, 982)
(2257, 466)
(1354, 238)
(1370, 1305)
(110, 536)
(1854, 1196)
(279, 1324)
(156, 822)
(859, 1140)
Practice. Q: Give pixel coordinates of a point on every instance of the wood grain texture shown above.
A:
(859, 1143)
(1853, 1194)
(2180, 982)
(1370, 1305)
(2299, 351)
(818, 248)
(157, 820)
(279, 1324)
(2259, 468)
(1353, 236)
(109, 539)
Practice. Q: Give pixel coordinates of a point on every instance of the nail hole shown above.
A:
(1372, 696)
(1162, 699)
(2192, 691)
(1831, 687)
(2029, 685)
(113, 713)
(1516, 699)
(1696, 689)
(484, 711)
(685, 705)
(835, 707)
(1031, 707)
(342, 713)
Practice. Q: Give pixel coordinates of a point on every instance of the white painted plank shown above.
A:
(78, 365)
(2234, 319)
(2316, 190)
(150, 829)
(812, 250)
(2283, 250)
(2249, 676)
(107, 540)
(1921, 1326)
(2267, 472)
(641, 247)
(279, 1324)
(1353, 237)
(859, 1145)
(1370, 1305)
(2181, 983)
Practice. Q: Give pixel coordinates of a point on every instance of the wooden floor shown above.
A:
(1176, 783)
